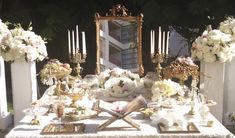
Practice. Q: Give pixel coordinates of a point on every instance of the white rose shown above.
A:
(199, 55)
(226, 38)
(209, 57)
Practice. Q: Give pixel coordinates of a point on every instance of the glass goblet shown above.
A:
(59, 113)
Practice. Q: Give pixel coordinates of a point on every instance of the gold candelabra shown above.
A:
(158, 59)
(78, 58)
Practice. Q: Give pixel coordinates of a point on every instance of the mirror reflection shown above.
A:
(118, 44)
(119, 40)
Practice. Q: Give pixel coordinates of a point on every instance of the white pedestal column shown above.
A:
(229, 91)
(5, 116)
(24, 87)
(212, 86)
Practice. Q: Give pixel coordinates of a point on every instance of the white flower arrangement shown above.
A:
(117, 73)
(20, 44)
(228, 26)
(166, 88)
(213, 46)
(119, 82)
(120, 87)
(4, 31)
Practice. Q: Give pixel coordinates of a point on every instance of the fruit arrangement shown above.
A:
(54, 70)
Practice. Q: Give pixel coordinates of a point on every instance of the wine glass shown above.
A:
(59, 113)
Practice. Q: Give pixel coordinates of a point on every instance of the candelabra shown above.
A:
(78, 58)
(158, 59)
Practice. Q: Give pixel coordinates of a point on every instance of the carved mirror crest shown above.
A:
(119, 40)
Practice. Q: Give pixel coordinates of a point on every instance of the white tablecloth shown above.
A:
(24, 130)
(147, 130)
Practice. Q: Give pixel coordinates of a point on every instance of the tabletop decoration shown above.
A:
(120, 87)
(169, 118)
(191, 128)
(162, 50)
(165, 88)
(75, 94)
(116, 73)
(35, 111)
(81, 113)
(181, 69)
(204, 110)
(75, 55)
(65, 128)
(214, 45)
(53, 71)
(119, 83)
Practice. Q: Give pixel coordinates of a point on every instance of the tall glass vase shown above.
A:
(24, 87)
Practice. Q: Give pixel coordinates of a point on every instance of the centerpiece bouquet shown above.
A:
(216, 45)
(119, 82)
(20, 44)
(120, 87)
(166, 88)
(116, 73)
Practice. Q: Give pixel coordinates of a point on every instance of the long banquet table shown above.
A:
(148, 130)
(24, 130)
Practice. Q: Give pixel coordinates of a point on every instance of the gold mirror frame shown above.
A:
(119, 12)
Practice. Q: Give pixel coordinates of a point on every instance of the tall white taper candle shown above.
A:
(69, 43)
(163, 42)
(159, 40)
(167, 42)
(151, 41)
(73, 42)
(83, 43)
(77, 38)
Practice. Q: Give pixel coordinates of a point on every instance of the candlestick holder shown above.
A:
(78, 58)
(158, 59)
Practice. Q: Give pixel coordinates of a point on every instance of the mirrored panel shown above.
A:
(118, 39)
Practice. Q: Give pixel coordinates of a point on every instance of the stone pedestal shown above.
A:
(212, 85)
(5, 116)
(24, 87)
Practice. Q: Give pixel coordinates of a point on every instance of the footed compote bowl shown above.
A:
(75, 96)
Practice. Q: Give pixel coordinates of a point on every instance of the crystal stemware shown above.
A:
(59, 113)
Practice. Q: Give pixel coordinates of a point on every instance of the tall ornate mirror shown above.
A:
(118, 40)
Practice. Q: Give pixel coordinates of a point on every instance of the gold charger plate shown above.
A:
(67, 128)
(191, 128)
